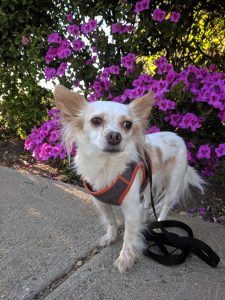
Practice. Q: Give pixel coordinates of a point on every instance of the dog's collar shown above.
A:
(116, 192)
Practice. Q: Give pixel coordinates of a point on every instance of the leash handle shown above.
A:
(185, 244)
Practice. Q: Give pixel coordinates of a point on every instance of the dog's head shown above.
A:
(102, 126)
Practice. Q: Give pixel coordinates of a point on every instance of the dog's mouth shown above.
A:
(112, 150)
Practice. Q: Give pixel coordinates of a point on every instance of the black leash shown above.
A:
(163, 246)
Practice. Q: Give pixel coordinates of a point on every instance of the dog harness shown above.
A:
(117, 191)
(163, 246)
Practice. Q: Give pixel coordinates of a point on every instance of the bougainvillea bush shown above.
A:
(189, 100)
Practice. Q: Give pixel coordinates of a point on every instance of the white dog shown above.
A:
(109, 136)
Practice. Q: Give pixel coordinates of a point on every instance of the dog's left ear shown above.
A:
(142, 107)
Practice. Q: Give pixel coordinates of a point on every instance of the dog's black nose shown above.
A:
(113, 138)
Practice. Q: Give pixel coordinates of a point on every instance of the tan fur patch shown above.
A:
(123, 119)
(142, 107)
(156, 158)
(70, 105)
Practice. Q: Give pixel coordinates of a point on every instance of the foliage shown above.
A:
(23, 26)
(190, 39)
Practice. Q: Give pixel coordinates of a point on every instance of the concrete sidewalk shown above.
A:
(48, 237)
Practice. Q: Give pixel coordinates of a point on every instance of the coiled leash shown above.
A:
(169, 248)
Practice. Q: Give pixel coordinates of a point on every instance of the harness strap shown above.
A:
(115, 193)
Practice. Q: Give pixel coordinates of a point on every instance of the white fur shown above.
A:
(171, 173)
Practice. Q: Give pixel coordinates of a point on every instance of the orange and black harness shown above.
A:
(156, 243)
(117, 191)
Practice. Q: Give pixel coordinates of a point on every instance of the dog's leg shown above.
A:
(107, 212)
(132, 209)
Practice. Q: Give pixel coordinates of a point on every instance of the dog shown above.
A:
(109, 136)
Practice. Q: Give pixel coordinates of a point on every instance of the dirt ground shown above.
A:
(210, 207)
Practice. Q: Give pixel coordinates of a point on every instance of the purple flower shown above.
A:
(36, 152)
(220, 150)
(119, 28)
(64, 50)
(214, 100)
(175, 17)
(54, 136)
(49, 73)
(91, 60)
(221, 115)
(165, 104)
(53, 111)
(152, 129)
(116, 27)
(76, 83)
(159, 15)
(163, 65)
(204, 151)
(61, 69)
(189, 156)
(54, 38)
(45, 151)
(191, 121)
(201, 211)
(55, 151)
(141, 5)
(128, 61)
(127, 28)
(50, 55)
(65, 43)
(29, 143)
(73, 29)
(212, 68)
(207, 172)
(171, 75)
(78, 44)
(69, 17)
(62, 151)
(89, 26)
(113, 69)
(175, 119)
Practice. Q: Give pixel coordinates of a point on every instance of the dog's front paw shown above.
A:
(126, 260)
(108, 239)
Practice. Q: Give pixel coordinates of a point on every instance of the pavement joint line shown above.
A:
(80, 262)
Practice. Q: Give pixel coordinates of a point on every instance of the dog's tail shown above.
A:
(192, 178)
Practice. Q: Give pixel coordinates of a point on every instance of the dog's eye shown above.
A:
(127, 124)
(96, 121)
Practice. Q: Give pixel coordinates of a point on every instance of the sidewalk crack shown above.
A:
(80, 262)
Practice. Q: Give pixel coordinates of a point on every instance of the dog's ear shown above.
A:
(142, 107)
(69, 103)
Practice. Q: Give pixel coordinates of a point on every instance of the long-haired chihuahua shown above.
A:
(110, 139)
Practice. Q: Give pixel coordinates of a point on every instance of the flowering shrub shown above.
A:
(44, 141)
(189, 101)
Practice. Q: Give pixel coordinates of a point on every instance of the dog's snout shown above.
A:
(113, 138)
